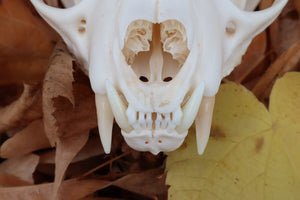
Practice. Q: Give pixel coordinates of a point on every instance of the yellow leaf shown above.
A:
(252, 153)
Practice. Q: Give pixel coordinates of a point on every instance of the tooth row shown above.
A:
(141, 120)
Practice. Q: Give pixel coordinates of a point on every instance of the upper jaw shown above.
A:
(154, 131)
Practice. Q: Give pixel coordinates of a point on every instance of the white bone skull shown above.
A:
(156, 65)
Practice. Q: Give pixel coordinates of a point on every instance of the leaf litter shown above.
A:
(48, 125)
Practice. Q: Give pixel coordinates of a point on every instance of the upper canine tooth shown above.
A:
(191, 108)
(203, 122)
(105, 121)
(118, 107)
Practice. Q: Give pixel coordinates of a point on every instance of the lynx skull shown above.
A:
(156, 65)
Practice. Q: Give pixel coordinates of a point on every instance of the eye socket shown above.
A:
(144, 79)
(168, 79)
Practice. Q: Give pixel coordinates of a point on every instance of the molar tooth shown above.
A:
(158, 121)
(118, 107)
(191, 108)
(105, 121)
(203, 122)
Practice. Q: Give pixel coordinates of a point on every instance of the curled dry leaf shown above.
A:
(29, 139)
(11, 115)
(26, 42)
(66, 149)
(71, 190)
(21, 167)
(57, 82)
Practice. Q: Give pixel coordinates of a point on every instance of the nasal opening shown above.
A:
(155, 52)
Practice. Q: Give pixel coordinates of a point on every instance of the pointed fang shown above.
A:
(105, 121)
(203, 122)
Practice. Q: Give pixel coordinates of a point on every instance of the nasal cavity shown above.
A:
(155, 52)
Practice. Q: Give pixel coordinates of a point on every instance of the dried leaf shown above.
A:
(81, 118)
(251, 154)
(71, 190)
(26, 42)
(286, 62)
(21, 167)
(11, 114)
(66, 150)
(149, 183)
(8, 180)
(57, 82)
(254, 55)
(30, 139)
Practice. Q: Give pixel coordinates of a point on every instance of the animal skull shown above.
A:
(156, 65)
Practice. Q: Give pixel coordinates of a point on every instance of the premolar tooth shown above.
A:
(118, 107)
(203, 122)
(105, 121)
(190, 109)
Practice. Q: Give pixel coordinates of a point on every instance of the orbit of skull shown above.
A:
(156, 65)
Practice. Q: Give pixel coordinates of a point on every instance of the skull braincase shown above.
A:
(156, 65)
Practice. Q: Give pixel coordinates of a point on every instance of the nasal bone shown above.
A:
(156, 60)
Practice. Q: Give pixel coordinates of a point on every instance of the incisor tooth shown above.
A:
(203, 122)
(105, 121)
(118, 107)
(190, 109)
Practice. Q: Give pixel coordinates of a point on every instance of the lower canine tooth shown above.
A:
(105, 121)
(118, 107)
(191, 108)
(203, 122)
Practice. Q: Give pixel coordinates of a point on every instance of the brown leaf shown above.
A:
(26, 42)
(67, 148)
(149, 183)
(57, 82)
(286, 62)
(72, 120)
(254, 55)
(8, 180)
(29, 139)
(11, 114)
(92, 148)
(21, 167)
(71, 190)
